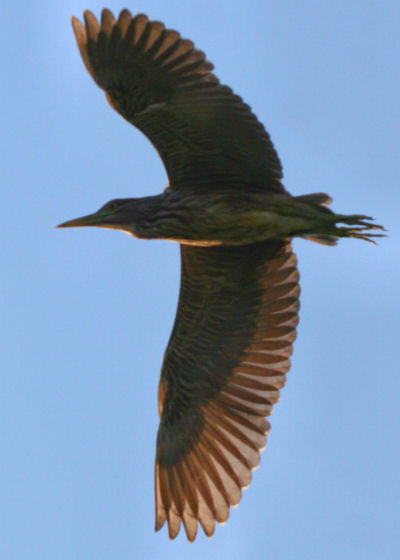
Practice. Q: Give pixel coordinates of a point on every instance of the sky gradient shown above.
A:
(86, 314)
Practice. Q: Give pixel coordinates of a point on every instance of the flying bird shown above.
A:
(226, 206)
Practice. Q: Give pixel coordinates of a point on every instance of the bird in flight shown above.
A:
(226, 206)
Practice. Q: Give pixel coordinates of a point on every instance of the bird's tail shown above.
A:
(357, 225)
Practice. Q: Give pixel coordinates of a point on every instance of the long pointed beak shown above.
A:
(95, 219)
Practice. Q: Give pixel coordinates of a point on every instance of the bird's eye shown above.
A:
(111, 206)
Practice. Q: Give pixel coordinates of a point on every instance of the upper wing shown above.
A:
(225, 364)
(205, 134)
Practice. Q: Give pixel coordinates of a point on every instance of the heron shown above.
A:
(226, 206)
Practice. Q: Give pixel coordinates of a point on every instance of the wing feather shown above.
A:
(223, 370)
(206, 135)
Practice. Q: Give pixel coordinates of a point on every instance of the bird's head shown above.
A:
(125, 214)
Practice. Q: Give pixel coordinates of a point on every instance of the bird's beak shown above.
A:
(96, 219)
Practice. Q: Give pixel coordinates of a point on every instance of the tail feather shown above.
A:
(318, 199)
(322, 239)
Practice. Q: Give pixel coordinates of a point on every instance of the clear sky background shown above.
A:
(86, 314)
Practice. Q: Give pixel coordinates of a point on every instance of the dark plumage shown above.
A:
(236, 322)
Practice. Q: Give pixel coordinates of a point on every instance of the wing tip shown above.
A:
(81, 36)
(78, 27)
(160, 521)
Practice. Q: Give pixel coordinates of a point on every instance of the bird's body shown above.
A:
(226, 206)
(225, 218)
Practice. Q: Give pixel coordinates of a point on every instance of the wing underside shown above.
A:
(223, 370)
(205, 134)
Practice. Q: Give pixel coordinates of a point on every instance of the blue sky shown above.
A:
(86, 314)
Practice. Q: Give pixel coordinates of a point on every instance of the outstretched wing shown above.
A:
(224, 366)
(205, 134)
